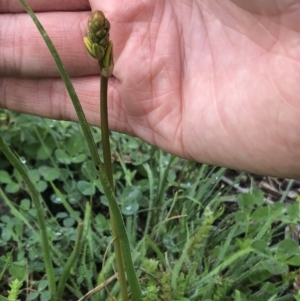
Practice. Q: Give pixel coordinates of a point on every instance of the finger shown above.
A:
(24, 53)
(8, 6)
(49, 98)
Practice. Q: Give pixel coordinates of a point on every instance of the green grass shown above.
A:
(187, 242)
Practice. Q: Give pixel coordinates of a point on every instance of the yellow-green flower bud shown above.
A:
(98, 44)
(97, 39)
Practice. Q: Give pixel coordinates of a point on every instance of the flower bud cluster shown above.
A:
(97, 39)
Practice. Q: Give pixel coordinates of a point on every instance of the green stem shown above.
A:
(122, 234)
(70, 262)
(105, 130)
(40, 216)
(109, 173)
(125, 246)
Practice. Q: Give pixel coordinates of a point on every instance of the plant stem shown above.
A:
(124, 242)
(105, 130)
(109, 173)
(40, 216)
(70, 262)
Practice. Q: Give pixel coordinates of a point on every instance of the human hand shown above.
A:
(213, 81)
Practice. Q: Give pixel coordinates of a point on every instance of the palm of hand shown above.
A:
(190, 76)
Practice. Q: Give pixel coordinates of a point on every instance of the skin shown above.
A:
(215, 81)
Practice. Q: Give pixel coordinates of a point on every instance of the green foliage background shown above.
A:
(188, 242)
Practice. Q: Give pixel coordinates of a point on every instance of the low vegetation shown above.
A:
(192, 236)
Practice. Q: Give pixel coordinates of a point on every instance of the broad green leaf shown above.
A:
(130, 208)
(6, 233)
(86, 188)
(4, 177)
(261, 214)
(32, 296)
(18, 270)
(261, 247)
(42, 285)
(275, 267)
(21, 255)
(61, 215)
(41, 186)
(292, 211)
(52, 174)
(89, 171)
(45, 296)
(102, 223)
(74, 145)
(130, 200)
(259, 276)
(44, 152)
(62, 156)
(49, 173)
(246, 203)
(258, 197)
(25, 204)
(241, 218)
(12, 187)
(69, 222)
(79, 158)
(287, 248)
(34, 175)
(294, 261)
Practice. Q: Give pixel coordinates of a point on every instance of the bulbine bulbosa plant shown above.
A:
(100, 47)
